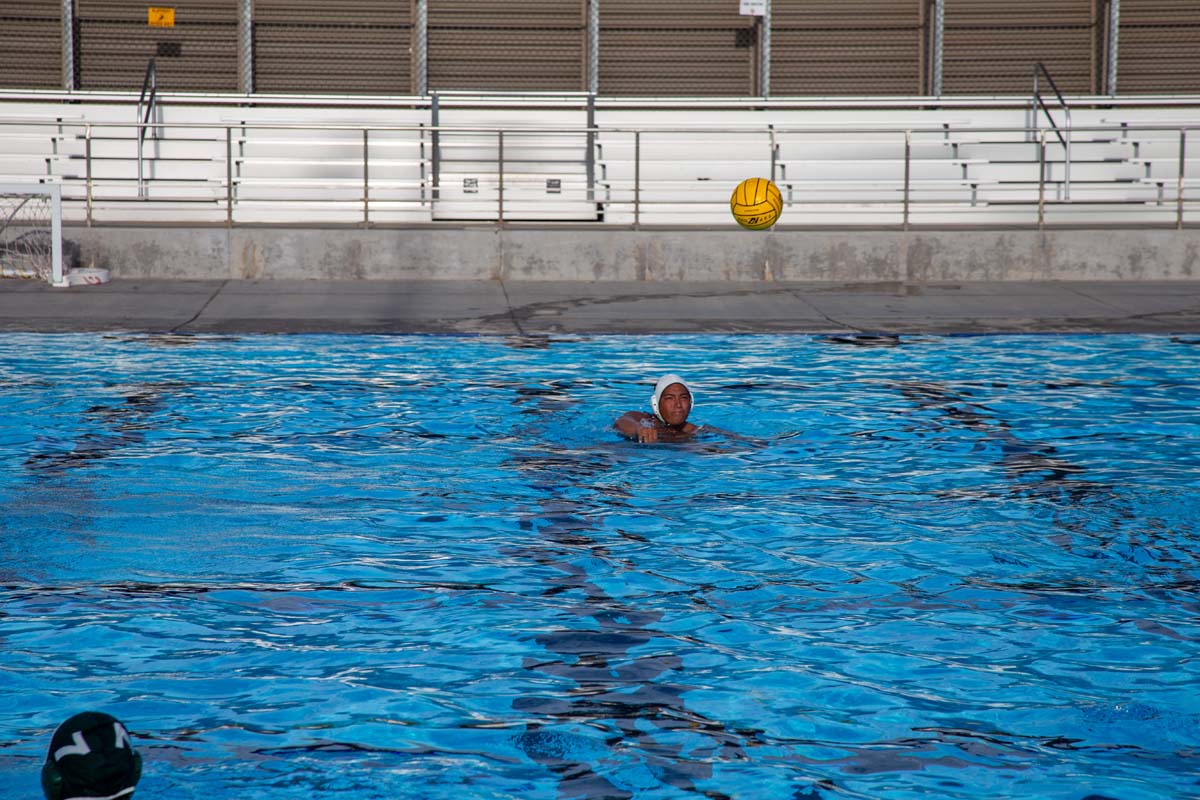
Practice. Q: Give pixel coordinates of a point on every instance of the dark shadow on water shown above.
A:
(865, 339)
(1020, 459)
(120, 425)
(1094, 519)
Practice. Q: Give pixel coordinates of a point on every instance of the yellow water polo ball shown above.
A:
(756, 204)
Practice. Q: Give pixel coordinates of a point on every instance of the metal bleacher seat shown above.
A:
(536, 171)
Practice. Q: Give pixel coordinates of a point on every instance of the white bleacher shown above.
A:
(687, 177)
(544, 156)
(654, 162)
(980, 178)
(284, 167)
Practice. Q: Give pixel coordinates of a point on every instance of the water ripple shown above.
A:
(395, 566)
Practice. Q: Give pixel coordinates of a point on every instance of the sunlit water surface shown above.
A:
(347, 567)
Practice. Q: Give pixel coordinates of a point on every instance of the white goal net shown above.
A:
(31, 238)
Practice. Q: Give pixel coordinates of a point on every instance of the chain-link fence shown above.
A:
(514, 45)
(31, 41)
(991, 48)
(738, 48)
(705, 49)
(1159, 47)
(195, 45)
(314, 46)
(848, 47)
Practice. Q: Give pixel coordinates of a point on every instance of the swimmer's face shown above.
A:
(675, 403)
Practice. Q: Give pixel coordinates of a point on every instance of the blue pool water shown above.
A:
(388, 567)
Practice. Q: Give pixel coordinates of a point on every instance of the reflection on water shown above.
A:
(402, 566)
(628, 698)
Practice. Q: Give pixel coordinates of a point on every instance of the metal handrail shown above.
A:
(150, 84)
(1040, 68)
(578, 100)
(628, 193)
(940, 130)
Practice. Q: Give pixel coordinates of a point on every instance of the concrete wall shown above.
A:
(843, 256)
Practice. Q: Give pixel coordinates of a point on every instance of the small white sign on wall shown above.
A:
(754, 8)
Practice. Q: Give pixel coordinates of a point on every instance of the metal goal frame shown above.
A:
(57, 275)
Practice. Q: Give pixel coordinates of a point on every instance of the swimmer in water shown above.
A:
(671, 404)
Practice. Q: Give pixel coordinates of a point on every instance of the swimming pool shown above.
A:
(422, 566)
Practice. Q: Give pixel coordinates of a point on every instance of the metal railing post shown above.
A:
(435, 154)
(774, 150)
(228, 176)
(87, 152)
(907, 173)
(424, 186)
(1182, 175)
(57, 277)
(500, 167)
(637, 177)
(68, 45)
(1067, 168)
(366, 183)
(1042, 180)
(590, 162)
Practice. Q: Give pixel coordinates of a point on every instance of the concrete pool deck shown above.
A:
(550, 307)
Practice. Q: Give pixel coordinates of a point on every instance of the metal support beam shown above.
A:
(939, 27)
(1114, 30)
(593, 49)
(68, 45)
(246, 48)
(421, 47)
(765, 52)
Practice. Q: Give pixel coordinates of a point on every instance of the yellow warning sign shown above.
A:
(160, 17)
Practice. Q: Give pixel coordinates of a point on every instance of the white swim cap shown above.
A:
(667, 380)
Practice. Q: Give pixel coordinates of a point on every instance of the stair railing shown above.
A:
(147, 99)
(1040, 69)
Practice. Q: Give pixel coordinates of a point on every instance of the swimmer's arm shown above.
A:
(638, 426)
